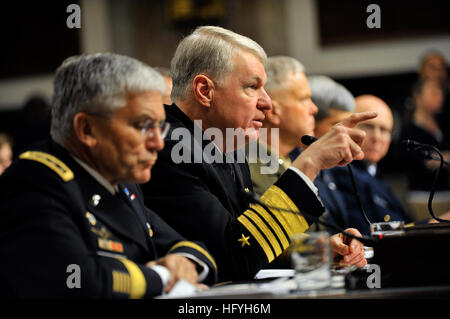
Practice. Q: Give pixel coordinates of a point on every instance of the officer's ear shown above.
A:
(203, 88)
(83, 125)
(273, 116)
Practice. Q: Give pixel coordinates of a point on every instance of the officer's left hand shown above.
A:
(352, 253)
(179, 267)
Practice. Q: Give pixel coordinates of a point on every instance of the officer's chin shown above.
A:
(371, 155)
(144, 177)
(252, 134)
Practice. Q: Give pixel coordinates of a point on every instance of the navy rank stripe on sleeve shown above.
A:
(183, 245)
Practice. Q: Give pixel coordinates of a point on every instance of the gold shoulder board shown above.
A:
(51, 162)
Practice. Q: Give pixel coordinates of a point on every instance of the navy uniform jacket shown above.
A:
(205, 201)
(332, 199)
(378, 200)
(54, 216)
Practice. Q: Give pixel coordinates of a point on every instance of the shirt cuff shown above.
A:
(163, 273)
(306, 180)
(205, 269)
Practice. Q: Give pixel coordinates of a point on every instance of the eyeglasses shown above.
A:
(149, 127)
(146, 127)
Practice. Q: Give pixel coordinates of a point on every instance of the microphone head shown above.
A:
(410, 143)
(417, 148)
(308, 139)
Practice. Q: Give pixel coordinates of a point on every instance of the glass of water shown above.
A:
(311, 259)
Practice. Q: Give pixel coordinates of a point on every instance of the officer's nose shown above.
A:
(155, 141)
(264, 101)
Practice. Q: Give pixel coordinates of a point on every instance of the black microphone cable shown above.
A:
(358, 197)
(308, 140)
(420, 149)
(413, 146)
(366, 240)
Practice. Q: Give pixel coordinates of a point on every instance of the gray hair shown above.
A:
(328, 94)
(97, 83)
(208, 50)
(162, 70)
(431, 53)
(278, 68)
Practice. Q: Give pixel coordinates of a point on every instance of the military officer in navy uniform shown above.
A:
(199, 180)
(72, 221)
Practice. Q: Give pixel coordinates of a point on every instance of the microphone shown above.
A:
(426, 149)
(308, 140)
(366, 240)
(421, 149)
(410, 143)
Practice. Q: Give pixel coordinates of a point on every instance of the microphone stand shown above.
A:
(413, 146)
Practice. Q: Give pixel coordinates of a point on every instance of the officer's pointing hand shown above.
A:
(338, 147)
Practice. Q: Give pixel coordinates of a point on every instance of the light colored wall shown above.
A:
(381, 57)
(14, 93)
(107, 27)
(95, 26)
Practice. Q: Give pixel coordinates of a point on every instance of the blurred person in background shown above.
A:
(5, 152)
(334, 103)
(425, 127)
(292, 114)
(34, 123)
(433, 66)
(165, 73)
(333, 100)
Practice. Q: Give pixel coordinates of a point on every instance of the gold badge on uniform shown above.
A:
(150, 230)
(102, 232)
(91, 218)
(244, 240)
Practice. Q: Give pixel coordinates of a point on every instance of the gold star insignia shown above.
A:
(244, 240)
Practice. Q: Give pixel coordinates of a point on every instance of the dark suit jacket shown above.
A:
(378, 200)
(54, 214)
(206, 201)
